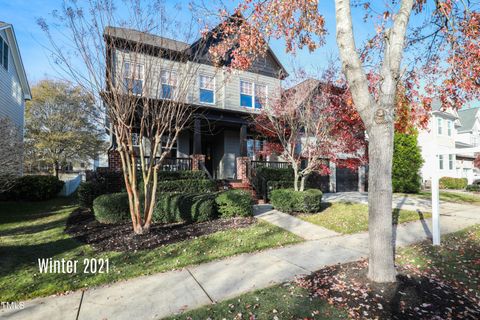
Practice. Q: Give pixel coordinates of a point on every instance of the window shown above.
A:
(246, 94)
(450, 161)
(449, 128)
(439, 125)
(260, 96)
(440, 162)
(207, 89)
(169, 83)
(252, 95)
(254, 147)
(133, 77)
(3, 53)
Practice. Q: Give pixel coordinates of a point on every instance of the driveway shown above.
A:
(398, 201)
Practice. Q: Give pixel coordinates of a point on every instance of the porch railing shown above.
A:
(173, 164)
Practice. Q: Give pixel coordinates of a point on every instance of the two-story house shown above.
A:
(450, 129)
(468, 136)
(224, 100)
(441, 133)
(14, 87)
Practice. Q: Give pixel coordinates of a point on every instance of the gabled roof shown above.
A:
(17, 59)
(197, 49)
(468, 117)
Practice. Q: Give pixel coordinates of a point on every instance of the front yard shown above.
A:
(32, 230)
(348, 218)
(433, 283)
(451, 196)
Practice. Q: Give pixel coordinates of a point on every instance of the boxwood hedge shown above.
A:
(289, 200)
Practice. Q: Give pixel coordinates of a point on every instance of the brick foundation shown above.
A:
(114, 161)
(242, 163)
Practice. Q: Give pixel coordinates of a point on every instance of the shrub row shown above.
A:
(453, 183)
(235, 203)
(177, 207)
(187, 186)
(473, 187)
(181, 175)
(33, 188)
(289, 200)
(265, 174)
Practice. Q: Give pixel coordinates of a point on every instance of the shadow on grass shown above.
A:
(31, 229)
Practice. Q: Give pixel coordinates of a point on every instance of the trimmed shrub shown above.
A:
(111, 208)
(274, 185)
(407, 162)
(234, 203)
(289, 200)
(87, 192)
(35, 188)
(204, 207)
(265, 174)
(473, 187)
(182, 175)
(187, 186)
(185, 207)
(453, 183)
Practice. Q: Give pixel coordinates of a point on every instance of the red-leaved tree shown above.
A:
(440, 50)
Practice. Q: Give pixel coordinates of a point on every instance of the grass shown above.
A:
(286, 301)
(456, 261)
(451, 196)
(348, 218)
(29, 231)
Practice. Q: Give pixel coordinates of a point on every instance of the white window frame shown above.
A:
(200, 88)
(170, 71)
(439, 126)
(451, 160)
(133, 75)
(449, 128)
(254, 88)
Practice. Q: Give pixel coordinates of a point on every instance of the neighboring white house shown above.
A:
(449, 129)
(14, 88)
(468, 137)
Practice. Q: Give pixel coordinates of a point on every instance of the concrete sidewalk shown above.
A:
(303, 229)
(398, 201)
(163, 294)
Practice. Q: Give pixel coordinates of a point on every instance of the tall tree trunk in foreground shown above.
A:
(378, 116)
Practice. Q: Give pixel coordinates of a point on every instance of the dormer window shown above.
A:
(133, 77)
(169, 84)
(207, 89)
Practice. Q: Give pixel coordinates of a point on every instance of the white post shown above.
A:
(435, 203)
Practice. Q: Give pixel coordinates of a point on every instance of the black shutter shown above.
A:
(5, 55)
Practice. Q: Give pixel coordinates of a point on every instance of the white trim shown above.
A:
(254, 88)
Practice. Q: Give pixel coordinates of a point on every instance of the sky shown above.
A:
(33, 43)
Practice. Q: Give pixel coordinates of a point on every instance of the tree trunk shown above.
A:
(296, 178)
(55, 168)
(381, 261)
(302, 183)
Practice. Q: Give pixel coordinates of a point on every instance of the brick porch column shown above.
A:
(242, 163)
(114, 161)
(196, 159)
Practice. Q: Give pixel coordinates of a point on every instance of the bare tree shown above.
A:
(309, 121)
(145, 80)
(11, 150)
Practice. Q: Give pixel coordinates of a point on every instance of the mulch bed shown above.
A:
(119, 237)
(415, 295)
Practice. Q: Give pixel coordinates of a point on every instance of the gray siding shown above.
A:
(227, 84)
(12, 103)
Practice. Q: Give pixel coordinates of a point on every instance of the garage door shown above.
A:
(347, 180)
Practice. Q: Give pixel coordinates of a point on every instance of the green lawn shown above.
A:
(29, 231)
(286, 301)
(348, 218)
(450, 196)
(457, 261)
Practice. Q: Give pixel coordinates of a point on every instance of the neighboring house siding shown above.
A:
(430, 141)
(12, 104)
